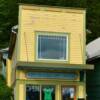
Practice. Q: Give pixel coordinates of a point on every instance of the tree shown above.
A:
(9, 14)
(93, 19)
(5, 91)
(8, 18)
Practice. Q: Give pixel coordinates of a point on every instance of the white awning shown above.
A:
(93, 48)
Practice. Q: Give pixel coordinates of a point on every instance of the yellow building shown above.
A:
(47, 56)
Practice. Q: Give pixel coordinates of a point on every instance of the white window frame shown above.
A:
(53, 34)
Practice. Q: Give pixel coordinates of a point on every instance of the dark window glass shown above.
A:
(32, 92)
(52, 47)
(48, 93)
(68, 93)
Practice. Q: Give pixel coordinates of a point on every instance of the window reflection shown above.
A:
(32, 92)
(52, 47)
(68, 93)
(47, 92)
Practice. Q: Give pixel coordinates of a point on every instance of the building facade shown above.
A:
(46, 59)
(93, 79)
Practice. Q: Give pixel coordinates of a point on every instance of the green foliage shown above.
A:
(8, 18)
(93, 19)
(68, 3)
(5, 92)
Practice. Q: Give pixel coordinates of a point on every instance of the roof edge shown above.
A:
(61, 7)
(12, 45)
(93, 59)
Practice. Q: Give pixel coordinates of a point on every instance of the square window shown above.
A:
(52, 47)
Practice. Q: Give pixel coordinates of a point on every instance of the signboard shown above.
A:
(69, 76)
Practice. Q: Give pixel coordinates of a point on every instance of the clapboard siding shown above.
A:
(71, 22)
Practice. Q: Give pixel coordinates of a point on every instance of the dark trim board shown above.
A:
(52, 66)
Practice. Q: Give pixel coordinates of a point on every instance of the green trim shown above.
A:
(17, 91)
(84, 38)
(35, 44)
(19, 34)
(69, 47)
(53, 33)
(54, 65)
(85, 86)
